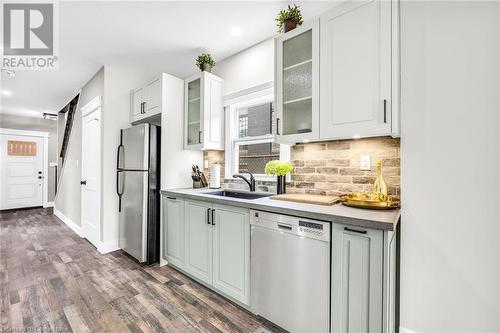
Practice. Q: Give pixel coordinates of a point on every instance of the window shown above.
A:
(250, 134)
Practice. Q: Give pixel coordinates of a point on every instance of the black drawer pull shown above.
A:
(171, 198)
(213, 218)
(208, 215)
(354, 230)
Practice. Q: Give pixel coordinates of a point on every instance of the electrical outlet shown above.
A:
(365, 162)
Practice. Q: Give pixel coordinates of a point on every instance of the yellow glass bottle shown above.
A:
(379, 187)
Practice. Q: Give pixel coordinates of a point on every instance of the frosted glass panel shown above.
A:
(297, 82)
(297, 117)
(194, 89)
(297, 49)
(193, 134)
(194, 111)
(194, 103)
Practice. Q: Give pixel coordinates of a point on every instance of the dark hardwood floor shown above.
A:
(54, 281)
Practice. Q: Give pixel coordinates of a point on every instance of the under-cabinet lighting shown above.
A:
(6, 93)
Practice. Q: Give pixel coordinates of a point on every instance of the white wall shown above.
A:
(450, 274)
(248, 68)
(118, 81)
(68, 199)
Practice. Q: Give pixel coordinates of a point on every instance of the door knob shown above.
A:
(83, 182)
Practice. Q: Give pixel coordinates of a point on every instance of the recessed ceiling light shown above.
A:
(235, 31)
(6, 93)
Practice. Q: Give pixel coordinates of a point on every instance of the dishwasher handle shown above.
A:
(285, 226)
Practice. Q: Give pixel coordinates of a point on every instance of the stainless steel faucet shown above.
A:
(251, 182)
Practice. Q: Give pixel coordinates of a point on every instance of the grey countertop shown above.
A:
(374, 219)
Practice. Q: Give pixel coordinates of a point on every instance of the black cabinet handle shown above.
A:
(171, 198)
(83, 182)
(208, 215)
(199, 136)
(277, 126)
(39, 172)
(385, 111)
(354, 230)
(40, 177)
(213, 219)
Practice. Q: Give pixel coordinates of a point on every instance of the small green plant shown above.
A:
(278, 168)
(205, 58)
(289, 14)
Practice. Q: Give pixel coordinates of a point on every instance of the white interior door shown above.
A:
(21, 171)
(91, 173)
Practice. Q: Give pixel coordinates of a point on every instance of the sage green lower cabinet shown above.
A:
(211, 243)
(173, 230)
(198, 240)
(390, 262)
(231, 252)
(357, 279)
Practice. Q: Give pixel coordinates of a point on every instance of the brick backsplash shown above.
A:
(333, 167)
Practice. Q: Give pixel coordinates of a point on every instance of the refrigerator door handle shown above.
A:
(120, 193)
(118, 155)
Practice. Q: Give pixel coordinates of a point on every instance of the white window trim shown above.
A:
(248, 97)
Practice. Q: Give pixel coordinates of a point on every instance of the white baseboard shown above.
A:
(73, 226)
(109, 246)
(405, 330)
(49, 204)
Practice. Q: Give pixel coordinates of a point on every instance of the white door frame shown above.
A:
(93, 105)
(45, 161)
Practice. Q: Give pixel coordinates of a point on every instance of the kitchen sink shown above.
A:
(239, 195)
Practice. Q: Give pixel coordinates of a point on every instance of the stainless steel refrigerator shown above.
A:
(138, 189)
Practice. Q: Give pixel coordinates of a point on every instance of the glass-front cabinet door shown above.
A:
(297, 84)
(193, 112)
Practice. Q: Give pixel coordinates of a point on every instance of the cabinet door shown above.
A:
(173, 231)
(356, 279)
(136, 97)
(198, 240)
(355, 77)
(153, 97)
(231, 239)
(297, 84)
(193, 117)
(213, 112)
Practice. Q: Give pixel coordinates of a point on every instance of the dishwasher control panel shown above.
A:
(308, 228)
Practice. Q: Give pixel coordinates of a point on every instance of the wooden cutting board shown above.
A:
(307, 198)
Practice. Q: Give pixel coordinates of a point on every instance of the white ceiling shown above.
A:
(156, 36)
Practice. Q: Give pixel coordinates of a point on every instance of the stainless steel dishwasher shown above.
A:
(290, 271)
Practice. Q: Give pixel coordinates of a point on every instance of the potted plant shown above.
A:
(288, 19)
(279, 169)
(205, 62)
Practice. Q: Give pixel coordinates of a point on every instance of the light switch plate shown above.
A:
(365, 162)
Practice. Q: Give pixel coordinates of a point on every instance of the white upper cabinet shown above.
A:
(297, 84)
(356, 85)
(152, 96)
(146, 101)
(204, 112)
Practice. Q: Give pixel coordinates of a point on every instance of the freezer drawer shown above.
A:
(133, 215)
